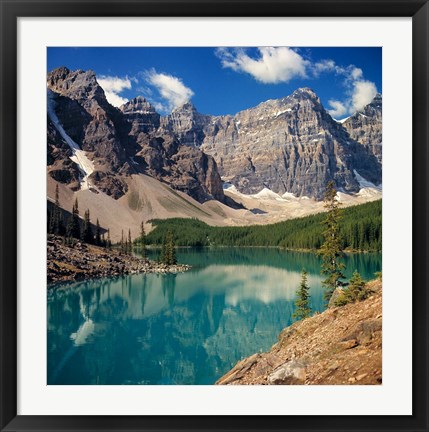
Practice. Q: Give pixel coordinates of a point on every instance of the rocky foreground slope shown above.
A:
(342, 345)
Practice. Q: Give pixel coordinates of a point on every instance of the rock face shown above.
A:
(187, 124)
(287, 145)
(342, 345)
(60, 166)
(365, 126)
(120, 142)
(141, 114)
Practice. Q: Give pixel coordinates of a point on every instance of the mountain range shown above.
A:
(287, 148)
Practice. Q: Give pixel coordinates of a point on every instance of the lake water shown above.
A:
(188, 328)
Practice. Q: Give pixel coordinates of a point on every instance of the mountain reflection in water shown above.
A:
(188, 328)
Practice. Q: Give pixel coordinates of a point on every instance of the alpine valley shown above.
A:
(262, 165)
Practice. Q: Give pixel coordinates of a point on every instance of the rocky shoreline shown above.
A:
(84, 261)
(342, 345)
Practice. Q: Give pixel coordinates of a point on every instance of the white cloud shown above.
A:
(356, 73)
(363, 93)
(282, 64)
(273, 65)
(338, 109)
(360, 92)
(350, 72)
(170, 88)
(323, 66)
(112, 86)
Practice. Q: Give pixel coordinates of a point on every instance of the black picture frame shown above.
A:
(11, 10)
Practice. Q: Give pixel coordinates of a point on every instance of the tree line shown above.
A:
(360, 229)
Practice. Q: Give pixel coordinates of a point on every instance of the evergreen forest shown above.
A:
(360, 230)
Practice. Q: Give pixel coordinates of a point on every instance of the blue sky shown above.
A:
(227, 80)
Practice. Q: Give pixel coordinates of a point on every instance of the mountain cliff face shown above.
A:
(287, 145)
(88, 138)
(365, 126)
(187, 124)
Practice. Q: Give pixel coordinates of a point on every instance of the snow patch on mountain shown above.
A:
(282, 112)
(368, 189)
(289, 196)
(267, 194)
(363, 183)
(342, 120)
(79, 157)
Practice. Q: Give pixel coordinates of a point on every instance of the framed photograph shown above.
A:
(214, 215)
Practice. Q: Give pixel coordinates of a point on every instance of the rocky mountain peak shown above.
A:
(375, 104)
(304, 93)
(186, 123)
(188, 107)
(365, 126)
(377, 99)
(288, 145)
(138, 105)
(78, 85)
(121, 142)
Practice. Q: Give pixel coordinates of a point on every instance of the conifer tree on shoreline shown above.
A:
(142, 240)
(302, 302)
(356, 291)
(130, 244)
(168, 251)
(331, 249)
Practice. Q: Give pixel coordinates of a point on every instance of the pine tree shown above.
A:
(331, 250)
(73, 227)
(302, 302)
(109, 242)
(142, 240)
(56, 225)
(98, 241)
(122, 242)
(356, 291)
(87, 234)
(163, 254)
(170, 250)
(130, 243)
(173, 257)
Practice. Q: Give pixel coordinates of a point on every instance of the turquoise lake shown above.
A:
(188, 328)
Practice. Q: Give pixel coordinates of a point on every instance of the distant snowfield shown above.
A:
(79, 156)
(273, 207)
